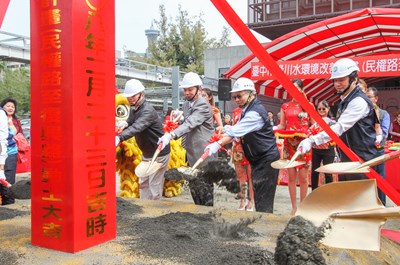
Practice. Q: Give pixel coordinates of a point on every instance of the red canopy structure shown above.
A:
(364, 33)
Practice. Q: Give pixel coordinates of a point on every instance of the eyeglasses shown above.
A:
(237, 96)
(321, 108)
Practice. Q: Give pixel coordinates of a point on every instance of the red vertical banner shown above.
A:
(72, 112)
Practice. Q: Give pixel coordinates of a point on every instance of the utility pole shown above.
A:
(175, 87)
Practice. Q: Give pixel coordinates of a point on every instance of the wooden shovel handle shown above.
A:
(380, 159)
(5, 183)
(294, 157)
(200, 160)
(156, 153)
(177, 118)
(392, 212)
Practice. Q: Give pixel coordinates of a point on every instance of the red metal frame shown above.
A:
(265, 58)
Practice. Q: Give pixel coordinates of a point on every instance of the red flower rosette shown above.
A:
(313, 130)
(316, 129)
(215, 138)
(169, 125)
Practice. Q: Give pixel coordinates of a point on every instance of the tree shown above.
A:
(183, 43)
(15, 83)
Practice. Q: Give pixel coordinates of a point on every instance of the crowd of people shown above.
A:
(249, 134)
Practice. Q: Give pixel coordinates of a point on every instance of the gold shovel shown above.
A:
(353, 212)
(285, 163)
(199, 161)
(191, 171)
(356, 167)
(143, 169)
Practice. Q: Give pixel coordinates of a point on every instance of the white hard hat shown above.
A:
(343, 67)
(133, 87)
(191, 79)
(243, 84)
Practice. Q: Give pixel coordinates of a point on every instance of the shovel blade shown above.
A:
(360, 234)
(279, 164)
(341, 168)
(144, 169)
(294, 164)
(284, 163)
(346, 196)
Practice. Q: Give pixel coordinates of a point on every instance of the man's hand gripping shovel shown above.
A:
(191, 172)
(356, 167)
(169, 126)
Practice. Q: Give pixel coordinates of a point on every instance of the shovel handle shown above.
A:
(200, 160)
(380, 159)
(5, 183)
(177, 118)
(294, 157)
(392, 212)
(156, 153)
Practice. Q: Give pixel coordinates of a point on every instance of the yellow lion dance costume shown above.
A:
(129, 156)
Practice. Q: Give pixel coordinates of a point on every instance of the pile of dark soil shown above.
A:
(209, 239)
(21, 190)
(8, 213)
(191, 238)
(299, 243)
(202, 238)
(214, 171)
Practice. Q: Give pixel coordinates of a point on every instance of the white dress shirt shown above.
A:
(356, 110)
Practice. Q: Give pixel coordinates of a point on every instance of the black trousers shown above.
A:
(10, 169)
(326, 156)
(264, 179)
(381, 170)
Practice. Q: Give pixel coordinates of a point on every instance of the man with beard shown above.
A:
(355, 118)
(145, 124)
(258, 141)
(197, 129)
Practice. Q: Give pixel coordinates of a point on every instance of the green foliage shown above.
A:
(183, 43)
(15, 83)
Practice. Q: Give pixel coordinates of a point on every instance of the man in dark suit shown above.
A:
(197, 128)
(145, 125)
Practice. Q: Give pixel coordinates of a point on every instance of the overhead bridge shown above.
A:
(16, 48)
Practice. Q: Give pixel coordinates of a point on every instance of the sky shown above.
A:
(133, 17)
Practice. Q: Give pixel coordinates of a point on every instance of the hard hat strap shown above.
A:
(138, 100)
(247, 101)
(352, 77)
(195, 94)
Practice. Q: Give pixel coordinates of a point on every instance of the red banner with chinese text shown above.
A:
(72, 113)
(371, 66)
